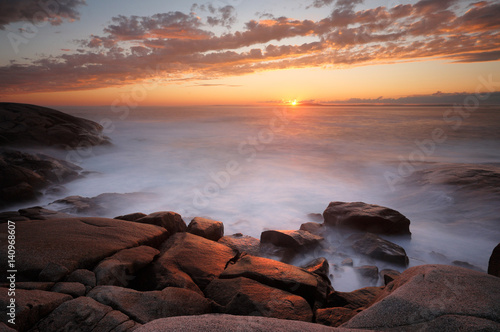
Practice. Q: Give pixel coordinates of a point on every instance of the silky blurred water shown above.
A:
(257, 168)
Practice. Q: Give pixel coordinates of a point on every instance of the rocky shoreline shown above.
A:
(155, 272)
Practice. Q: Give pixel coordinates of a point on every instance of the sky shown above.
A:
(157, 52)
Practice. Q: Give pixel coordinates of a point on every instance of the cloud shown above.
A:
(54, 12)
(177, 46)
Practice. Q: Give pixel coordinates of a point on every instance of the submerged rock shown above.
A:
(374, 246)
(207, 228)
(366, 217)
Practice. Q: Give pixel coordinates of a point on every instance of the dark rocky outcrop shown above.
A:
(187, 261)
(23, 124)
(435, 298)
(144, 307)
(366, 218)
(207, 228)
(73, 243)
(120, 269)
(75, 289)
(30, 306)
(24, 175)
(494, 262)
(374, 246)
(360, 298)
(242, 243)
(243, 296)
(296, 240)
(169, 220)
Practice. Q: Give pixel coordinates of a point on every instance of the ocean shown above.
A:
(259, 168)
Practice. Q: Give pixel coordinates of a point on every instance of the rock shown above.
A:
(53, 272)
(207, 228)
(360, 298)
(375, 247)
(169, 220)
(246, 297)
(223, 323)
(24, 124)
(389, 275)
(83, 276)
(347, 262)
(242, 243)
(313, 228)
(30, 306)
(30, 285)
(437, 298)
(5, 328)
(120, 269)
(144, 307)
(103, 204)
(23, 175)
(33, 213)
(73, 243)
(280, 275)
(74, 289)
(131, 216)
(187, 261)
(367, 272)
(317, 217)
(296, 240)
(467, 265)
(85, 314)
(12, 216)
(366, 218)
(318, 266)
(334, 316)
(494, 262)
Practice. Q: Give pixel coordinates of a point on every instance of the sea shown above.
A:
(257, 168)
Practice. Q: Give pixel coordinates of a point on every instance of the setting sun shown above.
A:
(294, 102)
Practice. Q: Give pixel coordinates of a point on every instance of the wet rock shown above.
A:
(144, 307)
(120, 269)
(219, 323)
(347, 262)
(30, 125)
(296, 240)
(85, 314)
(360, 298)
(313, 228)
(30, 306)
(334, 316)
(187, 261)
(280, 275)
(243, 296)
(435, 298)
(494, 262)
(375, 247)
(131, 216)
(242, 243)
(389, 275)
(366, 218)
(368, 273)
(73, 243)
(207, 228)
(169, 220)
(75, 289)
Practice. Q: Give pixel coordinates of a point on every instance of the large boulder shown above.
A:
(437, 298)
(121, 268)
(169, 220)
(334, 316)
(187, 261)
(242, 243)
(280, 275)
(24, 175)
(246, 297)
(72, 243)
(207, 228)
(75, 289)
(144, 307)
(360, 298)
(494, 262)
(85, 314)
(223, 323)
(318, 266)
(30, 306)
(366, 217)
(23, 124)
(297, 240)
(374, 246)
